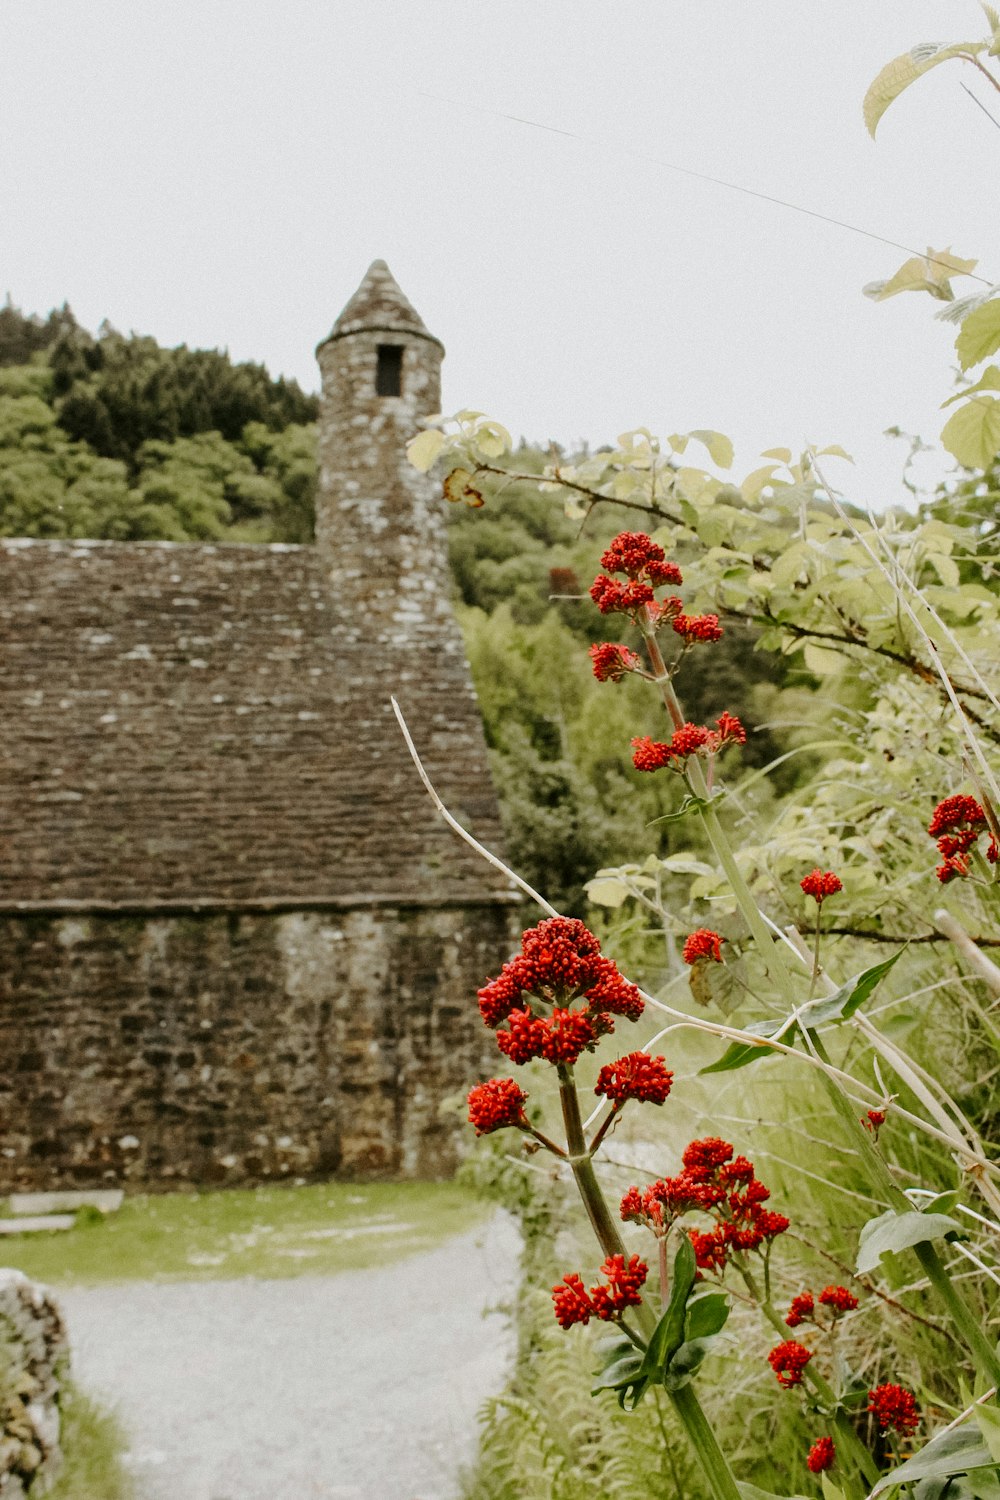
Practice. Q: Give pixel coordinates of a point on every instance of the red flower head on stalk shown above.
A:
(839, 1298)
(637, 1076)
(702, 943)
(821, 1455)
(957, 824)
(560, 962)
(800, 1308)
(692, 628)
(574, 1304)
(612, 662)
(894, 1406)
(874, 1120)
(788, 1360)
(821, 883)
(495, 1105)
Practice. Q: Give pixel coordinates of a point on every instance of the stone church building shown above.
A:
(236, 940)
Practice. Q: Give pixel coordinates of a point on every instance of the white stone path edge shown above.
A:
(352, 1387)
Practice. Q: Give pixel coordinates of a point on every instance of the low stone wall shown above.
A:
(34, 1360)
(239, 1046)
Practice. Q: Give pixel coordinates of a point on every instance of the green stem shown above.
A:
(702, 1439)
(584, 1175)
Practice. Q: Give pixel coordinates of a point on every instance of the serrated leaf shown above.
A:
(424, 448)
(972, 433)
(979, 335)
(720, 449)
(956, 1452)
(902, 71)
(892, 1232)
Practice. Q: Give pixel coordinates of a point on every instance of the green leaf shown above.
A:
(607, 892)
(849, 998)
(902, 71)
(979, 335)
(988, 381)
(753, 1492)
(738, 1054)
(955, 1452)
(923, 273)
(988, 1422)
(424, 448)
(830, 1490)
(972, 433)
(720, 449)
(706, 1315)
(892, 1232)
(823, 662)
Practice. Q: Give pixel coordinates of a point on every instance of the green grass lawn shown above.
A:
(318, 1229)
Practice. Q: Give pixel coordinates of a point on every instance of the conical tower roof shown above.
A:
(378, 306)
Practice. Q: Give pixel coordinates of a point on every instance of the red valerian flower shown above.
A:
(820, 884)
(496, 1104)
(702, 943)
(957, 824)
(893, 1406)
(788, 1360)
(650, 755)
(634, 553)
(731, 731)
(697, 628)
(560, 961)
(702, 1158)
(874, 1121)
(571, 1302)
(688, 740)
(800, 1308)
(711, 1250)
(637, 1076)
(574, 1304)
(821, 1455)
(839, 1298)
(612, 597)
(956, 812)
(612, 662)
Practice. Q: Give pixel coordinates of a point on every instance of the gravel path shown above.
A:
(362, 1386)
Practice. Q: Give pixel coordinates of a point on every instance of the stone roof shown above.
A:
(378, 306)
(206, 725)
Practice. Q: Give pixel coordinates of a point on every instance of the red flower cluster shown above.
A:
(612, 662)
(637, 1076)
(800, 1308)
(821, 883)
(637, 555)
(574, 1304)
(957, 824)
(690, 739)
(821, 1455)
(788, 1360)
(645, 566)
(702, 943)
(874, 1121)
(714, 1183)
(697, 628)
(495, 1105)
(839, 1298)
(560, 961)
(893, 1406)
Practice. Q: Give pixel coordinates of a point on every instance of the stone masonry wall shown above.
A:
(220, 1048)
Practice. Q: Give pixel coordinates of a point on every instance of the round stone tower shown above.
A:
(380, 523)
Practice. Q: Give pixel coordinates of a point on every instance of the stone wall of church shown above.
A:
(208, 1047)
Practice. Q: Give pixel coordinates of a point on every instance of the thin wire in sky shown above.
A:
(671, 166)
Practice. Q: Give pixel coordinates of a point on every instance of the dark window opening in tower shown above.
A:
(389, 371)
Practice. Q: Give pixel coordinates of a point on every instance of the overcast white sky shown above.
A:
(221, 172)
